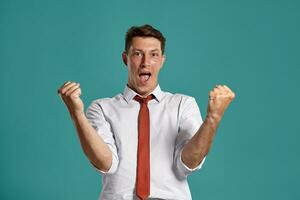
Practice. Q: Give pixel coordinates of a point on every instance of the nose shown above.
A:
(146, 61)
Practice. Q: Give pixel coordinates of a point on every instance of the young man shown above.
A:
(145, 142)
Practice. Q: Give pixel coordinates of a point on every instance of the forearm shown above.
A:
(198, 146)
(92, 144)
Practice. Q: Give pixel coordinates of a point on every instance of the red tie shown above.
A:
(143, 154)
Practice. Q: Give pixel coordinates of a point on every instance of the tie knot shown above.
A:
(143, 100)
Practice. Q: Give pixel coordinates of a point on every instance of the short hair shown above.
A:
(144, 31)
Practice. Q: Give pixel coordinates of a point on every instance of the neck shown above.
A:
(140, 93)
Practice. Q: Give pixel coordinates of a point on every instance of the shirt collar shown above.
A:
(129, 94)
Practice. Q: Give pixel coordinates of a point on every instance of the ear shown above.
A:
(163, 60)
(124, 58)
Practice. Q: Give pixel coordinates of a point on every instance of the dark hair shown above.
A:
(144, 31)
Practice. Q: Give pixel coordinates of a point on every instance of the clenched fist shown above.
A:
(70, 93)
(219, 99)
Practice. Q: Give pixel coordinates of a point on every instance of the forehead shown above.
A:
(145, 43)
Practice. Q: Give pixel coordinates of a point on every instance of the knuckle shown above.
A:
(68, 93)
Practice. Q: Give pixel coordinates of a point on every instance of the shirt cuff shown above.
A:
(185, 169)
(113, 167)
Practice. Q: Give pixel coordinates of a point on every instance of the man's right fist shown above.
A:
(70, 93)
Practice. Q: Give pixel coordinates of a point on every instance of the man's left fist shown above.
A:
(219, 99)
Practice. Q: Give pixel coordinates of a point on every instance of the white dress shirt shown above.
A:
(174, 119)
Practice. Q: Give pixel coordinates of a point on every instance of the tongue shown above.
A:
(144, 78)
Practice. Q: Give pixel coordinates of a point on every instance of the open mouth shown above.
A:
(144, 76)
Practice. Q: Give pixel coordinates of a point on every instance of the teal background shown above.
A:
(252, 46)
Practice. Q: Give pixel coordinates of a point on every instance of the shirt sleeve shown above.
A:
(97, 119)
(189, 123)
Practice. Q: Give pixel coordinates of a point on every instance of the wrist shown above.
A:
(212, 120)
(77, 114)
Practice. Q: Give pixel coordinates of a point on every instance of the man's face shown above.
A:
(144, 61)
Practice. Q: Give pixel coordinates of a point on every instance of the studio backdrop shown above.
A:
(252, 46)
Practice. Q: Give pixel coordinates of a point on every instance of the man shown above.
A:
(145, 142)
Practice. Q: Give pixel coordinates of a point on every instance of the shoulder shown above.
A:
(102, 102)
(116, 98)
(184, 103)
(178, 97)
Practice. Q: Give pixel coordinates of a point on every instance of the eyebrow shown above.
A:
(134, 49)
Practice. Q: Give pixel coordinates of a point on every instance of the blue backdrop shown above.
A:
(252, 46)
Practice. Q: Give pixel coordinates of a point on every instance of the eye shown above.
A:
(154, 54)
(137, 53)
